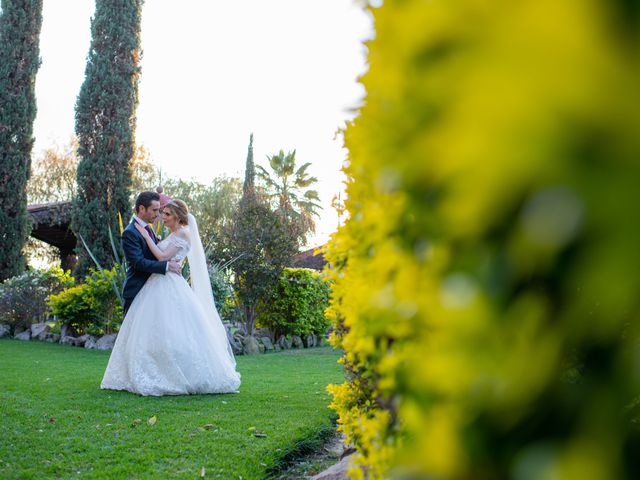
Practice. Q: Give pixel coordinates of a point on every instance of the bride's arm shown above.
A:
(159, 254)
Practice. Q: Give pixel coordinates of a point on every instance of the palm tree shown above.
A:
(287, 189)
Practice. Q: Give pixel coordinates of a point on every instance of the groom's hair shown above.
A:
(145, 199)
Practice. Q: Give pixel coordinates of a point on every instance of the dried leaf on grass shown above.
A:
(256, 432)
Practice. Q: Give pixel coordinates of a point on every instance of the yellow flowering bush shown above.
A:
(486, 285)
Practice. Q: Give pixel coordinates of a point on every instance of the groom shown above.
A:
(140, 260)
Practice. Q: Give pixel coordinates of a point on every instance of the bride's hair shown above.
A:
(179, 209)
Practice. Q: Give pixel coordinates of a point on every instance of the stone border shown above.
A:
(241, 344)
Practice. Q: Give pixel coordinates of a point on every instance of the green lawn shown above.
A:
(57, 423)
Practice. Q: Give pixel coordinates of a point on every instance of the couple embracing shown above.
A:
(172, 341)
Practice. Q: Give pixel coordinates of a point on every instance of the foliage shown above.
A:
(298, 304)
(145, 175)
(20, 23)
(92, 307)
(257, 243)
(222, 288)
(486, 282)
(23, 299)
(70, 308)
(53, 174)
(105, 126)
(212, 204)
(120, 269)
(289, 193)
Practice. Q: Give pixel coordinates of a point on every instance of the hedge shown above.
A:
(486, 283)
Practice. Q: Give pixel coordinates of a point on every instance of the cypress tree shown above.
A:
(105, 127)
(250, 171)
(20, 23)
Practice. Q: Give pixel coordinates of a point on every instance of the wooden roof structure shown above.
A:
(312, 258)
(51, 223)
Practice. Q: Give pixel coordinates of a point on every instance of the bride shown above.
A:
(172, 341)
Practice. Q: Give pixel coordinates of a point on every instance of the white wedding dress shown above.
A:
(172, 341)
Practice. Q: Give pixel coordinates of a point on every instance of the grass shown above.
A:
(57, 423)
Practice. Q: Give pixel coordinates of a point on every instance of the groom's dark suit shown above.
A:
(141, 263)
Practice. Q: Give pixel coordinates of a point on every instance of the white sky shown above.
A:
(212, 73)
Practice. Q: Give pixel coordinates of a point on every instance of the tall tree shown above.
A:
(250, 171)
(259, 246)
(20, 23)
(289, 192)
(53, 174)
(105, 126)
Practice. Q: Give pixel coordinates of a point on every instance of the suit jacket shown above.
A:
(140, 260)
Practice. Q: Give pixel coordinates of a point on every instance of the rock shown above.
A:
(239, 328)
(5, 330)
(297, 341)
(26, 335)
(69, 340)
(19, 329)
(64, 330)
(90, 341)
(82, 339)
(106, 342)
(39, 331)
(236, 346)
(52, 338)
(262, 332)
(229, 335)
(239, 336)
(266, 341)
(284, 342)
(310, 341)
(338, 448)
(237, 343)
(335, 472)
(250, 345)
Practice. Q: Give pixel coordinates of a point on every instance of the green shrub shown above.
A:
(223, 295)
(298, 304)
(486, 282)
(92, 307)
(70, 308)
(23, 299)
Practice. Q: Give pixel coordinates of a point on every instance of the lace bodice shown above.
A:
(180, 240)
